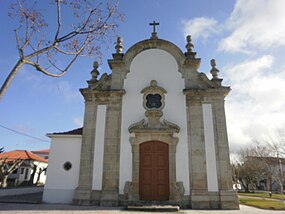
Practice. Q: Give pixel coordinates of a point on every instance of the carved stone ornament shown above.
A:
(214, 71)
(153, 98)
(154, 102)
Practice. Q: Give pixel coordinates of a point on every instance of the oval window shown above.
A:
(67, 165)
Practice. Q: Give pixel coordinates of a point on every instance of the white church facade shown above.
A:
(154, 132)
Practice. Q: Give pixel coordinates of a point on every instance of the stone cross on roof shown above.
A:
(154, 24)
(154, 34)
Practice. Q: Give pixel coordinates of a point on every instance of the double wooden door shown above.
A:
(154, 171)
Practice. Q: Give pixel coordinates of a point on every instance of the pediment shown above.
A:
(104, 83)
(144, 127)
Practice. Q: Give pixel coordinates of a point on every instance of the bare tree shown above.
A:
(276, 143)
(250, 166)
(41, 170)
(7, 168)
(41, 44)
(260, 161)
(31, 181)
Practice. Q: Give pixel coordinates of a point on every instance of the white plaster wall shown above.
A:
(154, 64)
(60, 184)
(210, 148)
(99, 148)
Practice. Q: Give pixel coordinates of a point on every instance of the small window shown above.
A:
(22, 171)
(67, 165)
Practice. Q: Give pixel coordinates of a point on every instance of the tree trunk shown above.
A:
(10, 77)
(41, 170)
(4, 181)
(31, 181)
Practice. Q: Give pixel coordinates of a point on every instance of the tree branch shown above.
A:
(90, 29)
(41, 51)
(58, 20)
(10, 77)
(41, 69)
(21, 53)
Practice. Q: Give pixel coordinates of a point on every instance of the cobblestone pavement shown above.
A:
(11, 208)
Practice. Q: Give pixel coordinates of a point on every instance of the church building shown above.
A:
(154, 133)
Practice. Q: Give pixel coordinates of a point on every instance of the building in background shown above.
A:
(32, 170)
(42, 153)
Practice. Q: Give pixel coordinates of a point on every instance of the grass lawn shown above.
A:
(263, 195)
(263, 203)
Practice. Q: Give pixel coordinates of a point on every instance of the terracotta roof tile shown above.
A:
(22, 154)
(44, 151)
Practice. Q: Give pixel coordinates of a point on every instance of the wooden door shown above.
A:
(154, 171)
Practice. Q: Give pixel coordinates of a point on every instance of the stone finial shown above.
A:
(153, 83)
(214, 71)
(119, 46)
(94, 73)
(189, 46)
(190, 54)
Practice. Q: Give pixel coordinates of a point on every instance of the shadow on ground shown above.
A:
(34, 202)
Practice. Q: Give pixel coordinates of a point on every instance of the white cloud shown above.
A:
(240, 73)
(24, 128)
(255, 107)
(68, 92)
(42, 83)
(78, 121)
(255, 24)
(201, 27)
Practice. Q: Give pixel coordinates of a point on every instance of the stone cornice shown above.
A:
(211, 92)
(116, 63)
(90, 94)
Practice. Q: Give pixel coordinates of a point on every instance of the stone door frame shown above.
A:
(176, 190)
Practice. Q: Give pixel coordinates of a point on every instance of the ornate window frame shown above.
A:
(153, 89)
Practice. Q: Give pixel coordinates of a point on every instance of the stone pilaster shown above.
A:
(228, 196)
(196, 146)
(83, 191)
(111, 166)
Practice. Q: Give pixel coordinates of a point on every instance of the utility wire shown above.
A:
(24, 134)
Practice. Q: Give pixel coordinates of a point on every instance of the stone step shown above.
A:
(154, 208)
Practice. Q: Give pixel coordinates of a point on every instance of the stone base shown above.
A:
(214, 200)
(109, 199)
(225, 200)
(82, 197)
(199, 199)
(229, 200)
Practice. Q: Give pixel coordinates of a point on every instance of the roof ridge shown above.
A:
(24, 155)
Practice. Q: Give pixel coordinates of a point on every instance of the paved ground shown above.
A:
(29, 204)
(9, 208)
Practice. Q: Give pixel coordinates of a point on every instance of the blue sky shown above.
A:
(246, 37)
